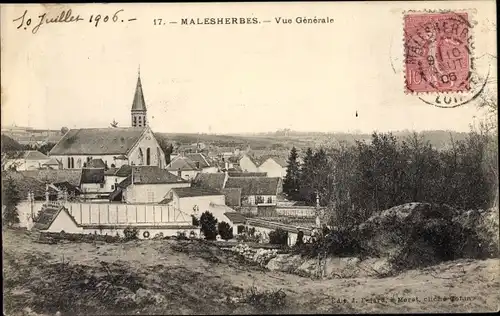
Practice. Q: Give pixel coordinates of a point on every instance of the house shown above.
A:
(256, 190)
(115, 146)
(247, 163)
(187, 166)
(203, 162)
(147, 184)
(57, 219)
(92, 184)
(217, 181)
(274, 167)
(193, 201)
(27, 160)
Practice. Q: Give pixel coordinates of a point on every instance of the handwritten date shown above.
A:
(67, 16)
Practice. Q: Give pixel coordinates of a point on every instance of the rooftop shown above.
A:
(192, 192)
(98, 141)
(254, 185)
(149, 175)
(209, 180)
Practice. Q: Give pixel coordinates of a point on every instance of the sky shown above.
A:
(225, 78)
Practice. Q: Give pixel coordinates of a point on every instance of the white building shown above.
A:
(274, 167)
(27, 160)
(147, 184)
(194, 200)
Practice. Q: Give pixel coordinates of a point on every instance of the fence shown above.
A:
(110, 213)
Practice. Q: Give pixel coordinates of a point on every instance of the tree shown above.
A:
(10, 199)
(307, 193)
(278, 237)
(208, 225)
(64, 130)
(167, 148)
(291, 183)
(225, 231)
(46, 148)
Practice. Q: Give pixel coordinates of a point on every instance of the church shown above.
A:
(115, 146)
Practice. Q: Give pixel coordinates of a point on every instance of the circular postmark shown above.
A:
(439, 64)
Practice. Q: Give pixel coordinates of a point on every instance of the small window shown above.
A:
(102, 185)
(112, 187)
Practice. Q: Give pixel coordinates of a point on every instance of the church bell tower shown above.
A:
(139, 111)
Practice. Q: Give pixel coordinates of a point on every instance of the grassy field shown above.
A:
(174, 277)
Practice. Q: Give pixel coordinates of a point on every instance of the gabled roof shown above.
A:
(52, 162)
(98, 141)
(34, 155)
(124, 171)
(280, 161)
(254, 185)
(203, 160)
(92, 175)
(182, 163)
(150, 175)
(55, 175)
(209, 180)
(193, 192)
(138, 104)
(48, 215)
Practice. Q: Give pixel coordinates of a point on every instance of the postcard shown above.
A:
(250, 158)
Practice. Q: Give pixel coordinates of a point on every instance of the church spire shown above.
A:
(138, 111)
(139, 104)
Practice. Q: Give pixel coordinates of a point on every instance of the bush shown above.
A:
(208, 225)
(225, 231)
(267, 301)
(131, 233)
(241, 229)
(278, 237)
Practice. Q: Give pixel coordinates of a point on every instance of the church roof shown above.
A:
(98, 141)
(138, 104)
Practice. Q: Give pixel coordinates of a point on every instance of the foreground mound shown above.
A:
(421, 234)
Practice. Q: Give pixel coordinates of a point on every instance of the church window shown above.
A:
(72, 163)
(141, 157)
(79, 163)
(135, 121)
(148, 156)
(69, 162)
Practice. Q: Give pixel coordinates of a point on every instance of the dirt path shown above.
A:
(199, 278)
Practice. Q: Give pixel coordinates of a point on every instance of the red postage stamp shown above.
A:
(437, 53)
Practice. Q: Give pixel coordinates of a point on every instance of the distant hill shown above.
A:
(9, 144)
(278, 142)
